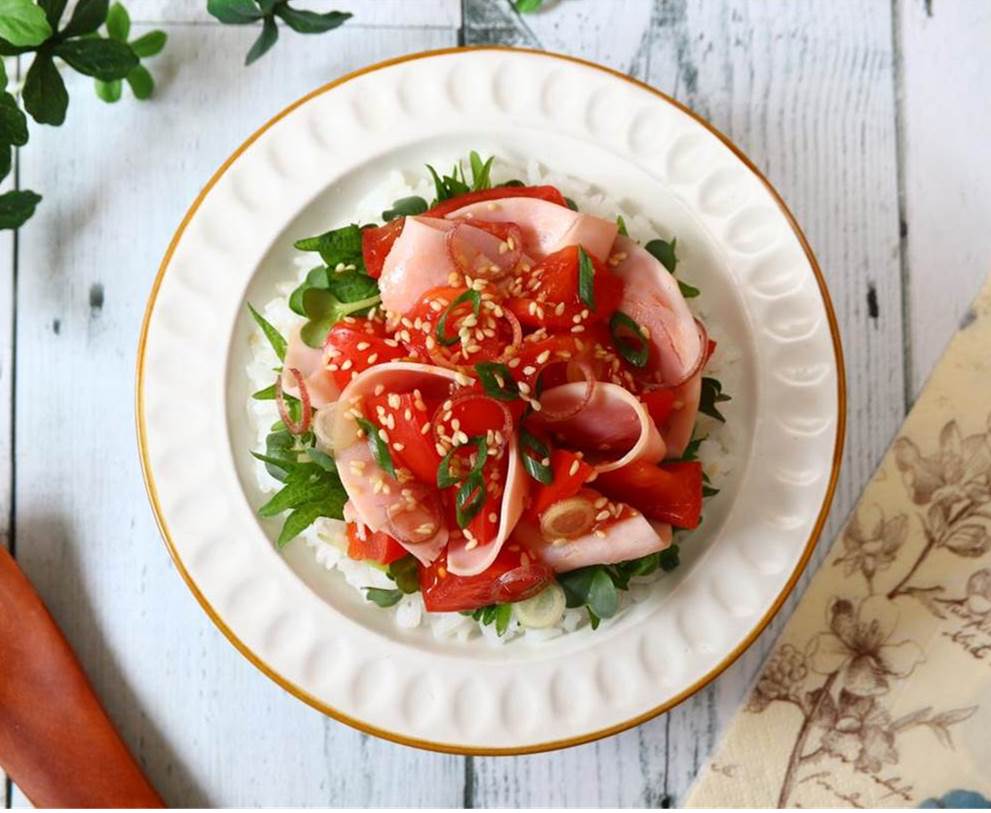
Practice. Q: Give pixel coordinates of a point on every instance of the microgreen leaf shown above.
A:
(528, 6)
(687, 291)
(712, 394)
(383, 598)
(413, 205)
(44, 93)
(405, 573)
(23, 23)
(303, 517)
(629, 339)
(664, 252)
(322, 459)
(480, 172)
(571, 204)
(497, 381)
(441, 329)
(274, 337)
(378, 446)
(503, 615)
(118, 23)
(590, 587)
(586, 279)
(142, 85)
(109, 92)
(295, 493)
(101, 58)
(324, 310)
(535, 467)
(149, 44)
(266, 39)
(336, 246)
(669, 559)
(469, 499)
(621, 225)
(310, 22)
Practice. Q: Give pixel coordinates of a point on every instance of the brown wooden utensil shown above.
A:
(56, 741)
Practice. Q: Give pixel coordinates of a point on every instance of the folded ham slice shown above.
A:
(651, 298)
(620, 541)
(546, 226)
(311, 365)
(417, 262)
(612, 429)
(678, 428)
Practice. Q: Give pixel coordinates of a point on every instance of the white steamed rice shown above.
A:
(326, 537)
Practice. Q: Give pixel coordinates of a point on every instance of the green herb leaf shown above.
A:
(149, 44)
(109, 92)
(439, 189)
(53, 11)
(6, 155)
(445, 477)
(274, 337)
(622, 226)
(528, 6)
(383, 598)
(405, 573)
(336, 246)
(16, 207)
(301, 519)
(234, 12)
(379, 448)
(310, 22)
(44, 93)
(13, 122)
(590, 587)
(324, 310)
(142, 85)
(571, 204)
(712, 394)
(404, 207)
(664, 252)
(692, 449)
(629, 339)
(322, 459)
(87, 16)
(586, 279)
(267, 38)
(440, 331)
(118, 23)
(513, 183)
(23, 23)
(101, 58)
(535, 467)
(669, 559)
(480, 172)
(469, 499)
(707, 489)
(299, 490)
(315, 278)
(497, 381)
(503, 615)
(687, 291)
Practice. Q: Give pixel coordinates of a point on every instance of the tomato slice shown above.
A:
(550, 292)
(354, 345)
(548, 193)
(671, 492)
(423, 339)
(376, 547)
(513, 576)
(405, 416)
(376, 243)
(570, 472)
(660, 404)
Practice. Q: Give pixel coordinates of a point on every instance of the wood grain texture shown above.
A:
(205, 724)
(946, 169)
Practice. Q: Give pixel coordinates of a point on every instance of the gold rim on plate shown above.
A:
(305, 696)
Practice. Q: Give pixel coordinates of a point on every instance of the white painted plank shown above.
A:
(367, 13)
(807, 91)
(209, 729)
(946, 119)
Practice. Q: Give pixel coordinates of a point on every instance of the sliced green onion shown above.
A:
(441, 330)
(497, 381)
(445, 478)
(534, 466)
(586, 279)
(637, 355)
(380, 449)
(469, 499)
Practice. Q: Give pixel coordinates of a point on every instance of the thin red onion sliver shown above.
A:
(555, 416)
(427, 511)
(504, 263)
(517, 342)
(304, 398)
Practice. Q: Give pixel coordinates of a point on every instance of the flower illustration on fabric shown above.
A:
(961, 465)
(959, 799)
(782, 676)
(978, 599)
(860, 732)
(871, 543)
(859, 646)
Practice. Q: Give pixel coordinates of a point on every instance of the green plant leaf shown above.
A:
(378, 447)
(405, 573)
(664, 252)
(413, 205)
(480, 171)
(311, 22)
(621, 226)
(142, 85)
(293, 495)
(299, 520)
(101, 58)
(87, 16)
(44, 93)
(586, 279)
(382, 597)
(324, 310)
(267, 38)
(6, 156)
(497, 381)
(13, 122)
(23, 23)
(234, 12)
(108, 91)
(712, 394)
(503, 615)
(16, 207)
(53, 11)
(528, 6)
(149, 44)
(336, 246)
(118, 23)
(274, 337)
(687, 291)
(3, 76)
(669, 559)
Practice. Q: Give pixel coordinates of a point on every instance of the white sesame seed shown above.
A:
(574, 468)
(363, 345)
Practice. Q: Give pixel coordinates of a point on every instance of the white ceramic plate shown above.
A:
(314, 635)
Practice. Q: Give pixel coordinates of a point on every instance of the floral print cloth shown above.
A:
(878, 693)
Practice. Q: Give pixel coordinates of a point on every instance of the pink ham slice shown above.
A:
(417, 262)
(613, 429)
(546, 227)
(681, 423)
(310, 363)
(626, 539)
(651, 298)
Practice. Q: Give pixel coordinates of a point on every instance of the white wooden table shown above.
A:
(872, 119)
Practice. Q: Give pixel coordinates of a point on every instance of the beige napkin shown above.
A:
(879, 690)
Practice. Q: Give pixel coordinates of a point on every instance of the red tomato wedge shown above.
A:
(376, 243)
(659, 403)
(570, 472)
(548, 193)
(513, 576)
(410, 447)
(552, 298)
(354, 345)
(671, 492)
(376, 547)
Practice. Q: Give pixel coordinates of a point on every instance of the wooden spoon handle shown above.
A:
(56, 741)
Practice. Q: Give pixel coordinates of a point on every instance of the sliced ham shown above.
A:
(417, 262)
(625, 539)
(310, 363)
(546, 226)
(612, 429)
(678, 428)
(651, 298)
